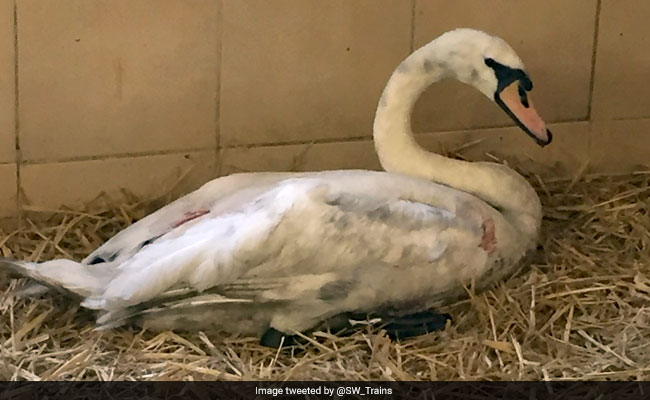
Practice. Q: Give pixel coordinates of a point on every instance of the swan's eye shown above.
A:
(523, 96)
(490, 62)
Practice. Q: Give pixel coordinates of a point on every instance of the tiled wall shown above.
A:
(100, 95)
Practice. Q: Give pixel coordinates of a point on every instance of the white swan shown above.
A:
(282, 252)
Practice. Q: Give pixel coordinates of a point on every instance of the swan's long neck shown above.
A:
(398, 151)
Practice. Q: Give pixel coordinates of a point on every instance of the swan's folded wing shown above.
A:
(241, 291)
(302, 227)
(176, 215)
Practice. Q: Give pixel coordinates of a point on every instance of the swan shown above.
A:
(275, 254)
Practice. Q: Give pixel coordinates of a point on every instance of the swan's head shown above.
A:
(489, 64)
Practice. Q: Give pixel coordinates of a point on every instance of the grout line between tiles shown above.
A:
(19, 158)
(369, 137)
(219, 50)
(246, 146)
(118, 156)
(412, 39)
(624, 119)
(593, 60)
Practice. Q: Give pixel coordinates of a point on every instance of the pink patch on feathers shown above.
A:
(489, 239)
(190, 216)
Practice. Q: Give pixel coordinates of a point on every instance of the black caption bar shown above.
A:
(325, 390)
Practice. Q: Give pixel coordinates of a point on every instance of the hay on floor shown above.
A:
(579, 311)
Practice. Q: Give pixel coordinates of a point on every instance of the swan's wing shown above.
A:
(178, 213)
(308, 230)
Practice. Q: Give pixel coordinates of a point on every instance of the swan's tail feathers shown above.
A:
(31, 289)
(65, 276)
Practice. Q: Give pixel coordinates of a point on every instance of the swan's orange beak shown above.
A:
(515, 102)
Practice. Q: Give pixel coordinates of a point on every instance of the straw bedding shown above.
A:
(580, 310)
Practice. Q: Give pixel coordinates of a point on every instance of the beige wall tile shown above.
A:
(76, 183)
(8, 192)
(305, 69)
(620, 146)
(102, 77)
(309, 157)
(7, 83)
(622, 79)
(568, 152)
(554, 38)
